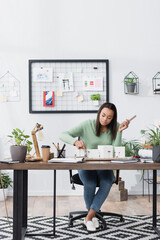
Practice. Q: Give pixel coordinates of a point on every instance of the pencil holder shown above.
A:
(63, 153)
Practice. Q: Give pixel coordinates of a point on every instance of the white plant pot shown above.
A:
(1, 194)
(96, 103)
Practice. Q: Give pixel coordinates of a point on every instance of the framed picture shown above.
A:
(48, 99)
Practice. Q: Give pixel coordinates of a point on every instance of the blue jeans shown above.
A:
(93, 199)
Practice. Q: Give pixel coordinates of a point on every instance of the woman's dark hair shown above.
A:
(113, 124)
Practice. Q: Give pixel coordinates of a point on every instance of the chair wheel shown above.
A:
(122, 219)
(70, 216)
(70, 224)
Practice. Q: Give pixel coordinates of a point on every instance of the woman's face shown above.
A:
(106, 116)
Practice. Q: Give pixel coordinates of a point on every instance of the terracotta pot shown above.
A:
(18, 153)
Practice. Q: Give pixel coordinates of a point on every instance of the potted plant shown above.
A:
(130, 84)
(95, 98)
(5, 182)
(154, 141)
(20, 145)
(132, 147)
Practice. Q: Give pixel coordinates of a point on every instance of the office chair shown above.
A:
(74, 179)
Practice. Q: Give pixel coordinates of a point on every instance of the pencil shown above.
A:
(132, 118)
(58, 146)
(55, 145)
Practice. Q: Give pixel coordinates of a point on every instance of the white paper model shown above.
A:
(92, 83)
(42, 74)
(106, 151)
(65, 81)
(119, 152)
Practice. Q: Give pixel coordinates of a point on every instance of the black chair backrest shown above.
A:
(75, 178)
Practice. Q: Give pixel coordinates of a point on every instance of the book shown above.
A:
(66, 160)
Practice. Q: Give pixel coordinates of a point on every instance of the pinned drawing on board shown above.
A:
(75, 94)
(92, 83)
(42, 74)
(48, 99)
(80, 98)
(3, 99)
(59, 93)
(65, 81)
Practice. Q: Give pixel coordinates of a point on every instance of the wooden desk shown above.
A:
(21, 186)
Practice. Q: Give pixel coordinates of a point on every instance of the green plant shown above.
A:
(129, 80)
(95, 97)
(131, 147)
(153, 136)
(20, 139)
(5, 180)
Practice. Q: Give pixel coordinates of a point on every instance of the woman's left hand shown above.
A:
(123, 125)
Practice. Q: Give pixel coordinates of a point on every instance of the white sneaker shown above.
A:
(95, 222)
(90, 226)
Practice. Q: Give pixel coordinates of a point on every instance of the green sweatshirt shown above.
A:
(87, 131)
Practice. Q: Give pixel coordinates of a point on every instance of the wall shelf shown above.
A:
(131, 83)
(156, 83)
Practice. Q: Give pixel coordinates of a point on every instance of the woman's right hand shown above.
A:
(80, 145)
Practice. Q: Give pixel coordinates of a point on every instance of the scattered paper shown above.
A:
(80, 98)
(59, 93)
(75, 94)
(3, 99)
(79, 70)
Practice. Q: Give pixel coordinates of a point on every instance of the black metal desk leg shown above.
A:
(25, 198)
(54, 204)
(155, 202)
(19, 204)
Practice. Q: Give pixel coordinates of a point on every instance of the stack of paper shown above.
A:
(127, 160)
(146, 160)
(66, 160)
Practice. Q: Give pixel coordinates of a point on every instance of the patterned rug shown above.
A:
(134, 227)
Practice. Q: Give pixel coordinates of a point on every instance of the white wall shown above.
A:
(125, 32)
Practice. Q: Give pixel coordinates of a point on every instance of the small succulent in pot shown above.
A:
(95, 98)
(20, 145)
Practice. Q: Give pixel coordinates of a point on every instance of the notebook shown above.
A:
(66, 160)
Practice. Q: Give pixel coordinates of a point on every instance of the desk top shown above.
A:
(89, 165)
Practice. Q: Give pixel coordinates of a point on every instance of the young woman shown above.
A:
(101, 131)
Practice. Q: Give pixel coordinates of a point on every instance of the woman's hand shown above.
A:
(80, 145)
(123, 125)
